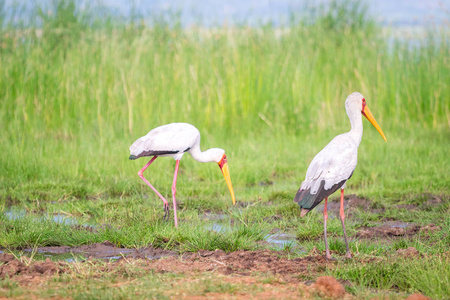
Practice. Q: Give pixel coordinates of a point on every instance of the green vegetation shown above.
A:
(428, 275)
(77, 91)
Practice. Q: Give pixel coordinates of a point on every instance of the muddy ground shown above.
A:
(238, 262)
(240, 267)
(294, 277)
(291, 278)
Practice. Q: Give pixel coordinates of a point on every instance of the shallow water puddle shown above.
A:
(68, 254)
(37, 254)
(284, 241)
(64, 219)
(14, 213)
(398, 224)
(278, 240)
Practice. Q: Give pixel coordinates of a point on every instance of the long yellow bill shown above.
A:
(223, 164)
(368, 114)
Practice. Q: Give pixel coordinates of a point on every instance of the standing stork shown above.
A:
(334, 165)
(175, 140)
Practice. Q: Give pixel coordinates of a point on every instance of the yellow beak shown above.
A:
(223, 164)
(368, 114)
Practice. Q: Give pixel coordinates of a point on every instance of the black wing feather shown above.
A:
(157, 153)
(308, 201)
(154, 153)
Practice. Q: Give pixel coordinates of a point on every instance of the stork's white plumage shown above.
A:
(175, 140)
(334, 165)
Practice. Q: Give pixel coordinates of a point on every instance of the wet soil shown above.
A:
(289, 277)
(237, 266)
(239, 263)
(389, 229)
(240, 268)
(105, 250)
(351, 203)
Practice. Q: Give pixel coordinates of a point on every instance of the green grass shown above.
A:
(77, 91)
(75, 97)
(428, 276)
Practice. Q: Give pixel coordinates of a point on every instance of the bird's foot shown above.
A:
(348, 255)
(330, 258)
(166, 212)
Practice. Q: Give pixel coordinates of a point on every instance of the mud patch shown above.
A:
(242, 263)
(237, 275)
(351, 203)
(238, 262)
(389, 229)
(267, 261)
(10, 266)
(429, 200)
(105, 250)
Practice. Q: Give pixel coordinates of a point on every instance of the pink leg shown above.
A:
(341, 213)
(174, 190)
(325, 217)
(141, 174)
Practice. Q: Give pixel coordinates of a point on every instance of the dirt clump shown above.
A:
(430, 228)
(6, 258)
(417, 297)
(328, 287)
(388, 229)
(47, 267)
(12, 267)
(409, 252)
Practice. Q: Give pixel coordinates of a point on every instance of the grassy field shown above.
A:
(76, 91)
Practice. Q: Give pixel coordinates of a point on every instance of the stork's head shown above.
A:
(356, 103)
(221, 159)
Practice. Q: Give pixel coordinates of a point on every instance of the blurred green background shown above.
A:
(76, 90)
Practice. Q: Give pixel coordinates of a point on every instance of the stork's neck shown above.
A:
(357, 127)
(203, 156)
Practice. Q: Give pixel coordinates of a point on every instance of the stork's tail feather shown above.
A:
(306, 200)
(300, 200)
(303, 212)
(133, 157)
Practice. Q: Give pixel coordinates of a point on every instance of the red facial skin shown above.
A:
(363, 107)
(222, 161)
